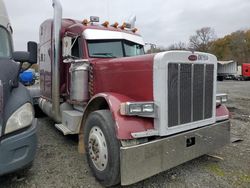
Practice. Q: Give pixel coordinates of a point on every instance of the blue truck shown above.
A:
(18, 140)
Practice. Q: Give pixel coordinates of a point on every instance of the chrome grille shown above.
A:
(190, 92)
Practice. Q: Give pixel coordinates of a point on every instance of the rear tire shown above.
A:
(102, 147)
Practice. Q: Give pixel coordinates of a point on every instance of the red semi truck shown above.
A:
(136, 115)
(245, 71)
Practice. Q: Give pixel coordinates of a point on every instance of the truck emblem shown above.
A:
(192, 57)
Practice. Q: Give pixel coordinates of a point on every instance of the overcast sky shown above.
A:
(162, 22)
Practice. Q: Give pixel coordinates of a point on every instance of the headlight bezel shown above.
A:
(143, 109)
(19, 119)
(221, 99)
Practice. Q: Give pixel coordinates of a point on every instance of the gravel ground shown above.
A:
(58, 164)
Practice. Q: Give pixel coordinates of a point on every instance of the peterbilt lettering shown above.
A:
(125, 104)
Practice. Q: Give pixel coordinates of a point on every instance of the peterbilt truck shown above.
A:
(136, 115)
(18, 138)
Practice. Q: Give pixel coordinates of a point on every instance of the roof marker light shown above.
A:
(105, 24)
(123, 26)
(85, 22)
(115, 25)
(134, 30)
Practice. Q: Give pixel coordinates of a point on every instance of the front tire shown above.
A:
(102, 147)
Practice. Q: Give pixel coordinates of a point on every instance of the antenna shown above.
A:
(132, 20)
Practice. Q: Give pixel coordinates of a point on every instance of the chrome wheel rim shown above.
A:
(98, 150)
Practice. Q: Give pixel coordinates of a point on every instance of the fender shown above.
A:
(124, 125)
(222, 113)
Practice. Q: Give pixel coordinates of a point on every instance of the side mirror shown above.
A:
(21, 57)
(66, 47)
(32, 49)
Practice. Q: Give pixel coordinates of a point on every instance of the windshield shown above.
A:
(5, 43)
(114, 48)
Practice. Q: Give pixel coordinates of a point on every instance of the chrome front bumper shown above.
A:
(145, 160)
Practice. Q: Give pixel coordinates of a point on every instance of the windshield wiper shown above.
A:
(104, 54)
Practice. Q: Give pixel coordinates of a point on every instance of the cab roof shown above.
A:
(97, 31)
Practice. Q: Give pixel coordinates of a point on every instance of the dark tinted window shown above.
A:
(105, 49)
(114, 48)
(133, 49)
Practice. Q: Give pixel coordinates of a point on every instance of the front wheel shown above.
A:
(102, 147)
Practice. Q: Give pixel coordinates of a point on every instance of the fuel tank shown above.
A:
(79, 82)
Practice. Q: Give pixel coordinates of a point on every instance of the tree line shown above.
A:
(235, 46)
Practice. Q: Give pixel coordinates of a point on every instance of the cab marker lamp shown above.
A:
(85, 22)
(123, 26)
(21, 118)
(105, 24)
(143, 109)
(134, 30)
(115, 25)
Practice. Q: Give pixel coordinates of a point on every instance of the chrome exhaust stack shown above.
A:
(57, 24)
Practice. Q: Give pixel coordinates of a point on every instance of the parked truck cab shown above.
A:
(18, 139)
(136, 115)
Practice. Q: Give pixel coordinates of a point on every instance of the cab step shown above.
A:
(71, 121)
(65, 130)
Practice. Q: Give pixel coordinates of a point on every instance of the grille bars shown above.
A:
(190, 92)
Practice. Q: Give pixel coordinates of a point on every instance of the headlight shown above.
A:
(221, 98)
(21, 118)
(144, 109)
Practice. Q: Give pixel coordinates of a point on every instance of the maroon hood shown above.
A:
(130, 76)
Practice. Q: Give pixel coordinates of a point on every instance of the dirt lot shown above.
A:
(58, 164)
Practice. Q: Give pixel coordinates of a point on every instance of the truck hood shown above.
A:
(8, 78)
(130, 76)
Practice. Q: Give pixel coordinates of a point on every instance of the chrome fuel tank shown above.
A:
(79, 82)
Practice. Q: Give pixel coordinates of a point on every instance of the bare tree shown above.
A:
(178, 46)
(153, 48)
(202, 39)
